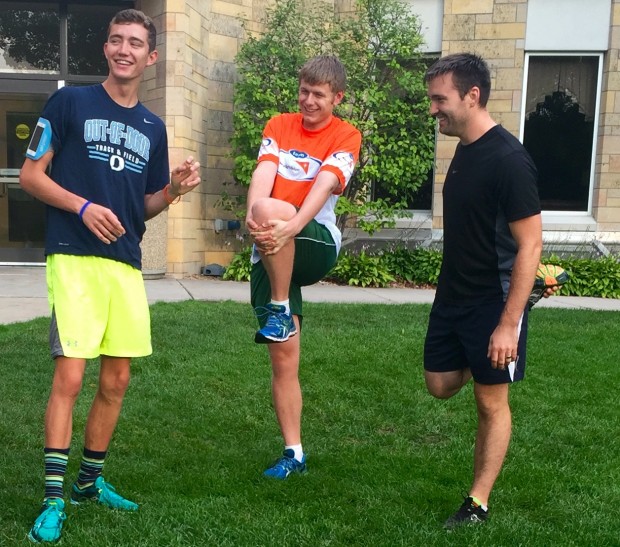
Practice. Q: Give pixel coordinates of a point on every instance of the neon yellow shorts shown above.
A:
(98, 306)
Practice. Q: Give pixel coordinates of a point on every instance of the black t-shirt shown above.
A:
(490, 183)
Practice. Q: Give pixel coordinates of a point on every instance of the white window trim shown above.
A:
(568, 217)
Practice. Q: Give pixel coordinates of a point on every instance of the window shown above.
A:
(55, 37)
(87, 28)
(559, 127)
(29, 38)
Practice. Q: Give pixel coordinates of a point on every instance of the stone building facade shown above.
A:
(191, 87)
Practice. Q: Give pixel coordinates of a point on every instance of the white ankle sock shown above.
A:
(284, 303)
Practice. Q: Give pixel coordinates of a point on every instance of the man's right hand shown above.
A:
(102, 222)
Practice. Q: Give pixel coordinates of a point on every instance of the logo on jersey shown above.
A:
(120, 145)
(296, 165)
(343, 161)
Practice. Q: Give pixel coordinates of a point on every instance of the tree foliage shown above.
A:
(31, 39)
(385, 99)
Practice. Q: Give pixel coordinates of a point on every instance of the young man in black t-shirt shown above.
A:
(492, 246)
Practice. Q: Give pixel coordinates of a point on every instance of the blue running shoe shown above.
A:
(48, 525)
(104, 493)
(285, 466)
(279, 327)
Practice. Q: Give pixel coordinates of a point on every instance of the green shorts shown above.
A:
(315, 256)
(98, 306)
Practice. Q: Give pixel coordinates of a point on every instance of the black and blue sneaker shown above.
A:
(286, 466)
(279, 327)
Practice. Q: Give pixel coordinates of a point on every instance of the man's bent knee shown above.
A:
(443, 385)
(270, 209)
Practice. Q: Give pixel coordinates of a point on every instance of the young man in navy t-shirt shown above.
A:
(108, 160)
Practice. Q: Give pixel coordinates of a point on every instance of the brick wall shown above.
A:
(606, 202)
(495, 30)
(191, 87)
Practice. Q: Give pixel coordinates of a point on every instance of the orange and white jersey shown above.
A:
(301, 155)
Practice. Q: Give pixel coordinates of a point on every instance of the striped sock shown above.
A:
(479, 503)
(56, 460)
(90, 468)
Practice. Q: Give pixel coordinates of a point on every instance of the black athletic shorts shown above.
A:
(458, 338)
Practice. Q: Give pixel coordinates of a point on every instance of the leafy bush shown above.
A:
(420, 266)
(598, 277)
(380, 46)
(361, 269)
(590, 277)
(240, 267)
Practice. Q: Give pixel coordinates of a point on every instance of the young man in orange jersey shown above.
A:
(305, 161)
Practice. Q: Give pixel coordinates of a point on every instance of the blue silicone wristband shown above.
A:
(83, 209)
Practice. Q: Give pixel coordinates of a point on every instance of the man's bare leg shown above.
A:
(444, 385)
(492, 438)
(103, 416)
(66, 387)
(286, 390)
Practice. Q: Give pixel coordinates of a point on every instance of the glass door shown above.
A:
(22, 217)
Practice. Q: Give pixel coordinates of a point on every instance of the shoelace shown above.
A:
(274, 318)
(108, 490)
(263, 311)
(60, 515)
(287, 463)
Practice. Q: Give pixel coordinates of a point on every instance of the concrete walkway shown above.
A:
(23, 294)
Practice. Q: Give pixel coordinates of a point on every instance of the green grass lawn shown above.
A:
(387, 462)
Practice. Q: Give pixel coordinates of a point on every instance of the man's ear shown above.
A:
(338, 97)
(152, 58)
(474, 95)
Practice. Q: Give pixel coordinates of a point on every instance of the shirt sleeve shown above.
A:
(269, 149)
(342, 160)
(519, 186)
(58, 112)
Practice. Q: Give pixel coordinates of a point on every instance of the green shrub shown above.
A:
(420, 266)
(240, 267)
(589, 277)
(361, 269)
(599, 277)
(381, 48)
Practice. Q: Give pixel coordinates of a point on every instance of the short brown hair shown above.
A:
(127, 16)
(467, 69)
(324, 69)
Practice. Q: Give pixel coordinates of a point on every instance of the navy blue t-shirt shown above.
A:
(490, 183)
(110, 155)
